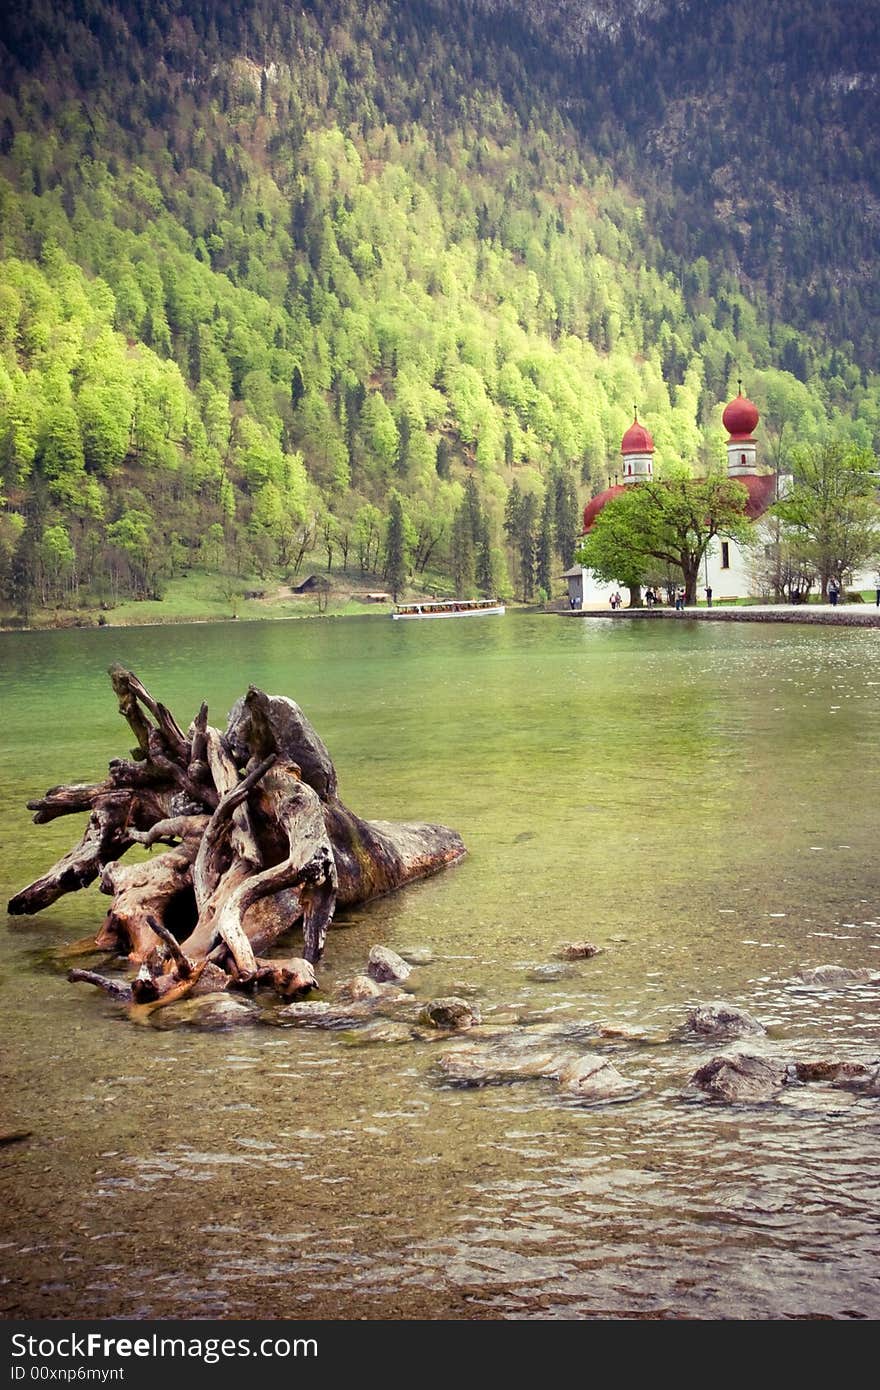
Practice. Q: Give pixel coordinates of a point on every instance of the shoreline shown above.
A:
(851, 615)
(175, 621)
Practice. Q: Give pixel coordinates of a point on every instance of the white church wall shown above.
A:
(733, 580)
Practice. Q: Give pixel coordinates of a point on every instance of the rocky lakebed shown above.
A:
(736, 1059)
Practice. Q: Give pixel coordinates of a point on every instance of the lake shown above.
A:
(700, 801)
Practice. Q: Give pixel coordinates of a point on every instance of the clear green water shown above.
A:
(698, 800)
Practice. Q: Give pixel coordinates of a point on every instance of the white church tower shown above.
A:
(637, 448)
(739, 419)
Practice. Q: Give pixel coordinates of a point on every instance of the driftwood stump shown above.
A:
(255, 841)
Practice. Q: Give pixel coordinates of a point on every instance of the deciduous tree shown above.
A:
(831, 511)
(672, 520)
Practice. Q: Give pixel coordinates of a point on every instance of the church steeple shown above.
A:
(739, 419)
(637, 448)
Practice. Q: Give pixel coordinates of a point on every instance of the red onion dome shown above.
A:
(595, 504)
(740, 417)
(637, 440)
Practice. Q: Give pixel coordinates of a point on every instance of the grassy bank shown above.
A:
(201, 597)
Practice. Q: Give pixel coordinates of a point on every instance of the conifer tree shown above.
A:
(544, 549)
(566, 518)
(462, 554)
(395, 547)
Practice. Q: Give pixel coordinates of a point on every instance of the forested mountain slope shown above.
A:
(752, 128)
(271, 276)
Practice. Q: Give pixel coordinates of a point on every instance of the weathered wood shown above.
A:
(169, 990)
(130, 709)
(259, 843)
(376, 857)
(172, 945)
(309, 865)
(142, 892)
(199, 793)
(131, 695)
(126, 772)
(287, 977)
(105, 837)
(114, 988)
(198, 769)
(208, 869)
(202, 941)
(260, 724)
(226, 779)
(171, 829)
(68, 800)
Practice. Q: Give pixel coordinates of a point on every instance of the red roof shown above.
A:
(761, 488)
(595, 504)
(637, 440)
(740, 417)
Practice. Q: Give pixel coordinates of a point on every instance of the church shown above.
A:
(726, 566)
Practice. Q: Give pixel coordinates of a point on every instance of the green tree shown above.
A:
(368, 537)
(544, 556)
(57, 561)
(395, 547)
(23, 575)
(462, 554)
(566, 518)
(380, 432)
(673, 520)
(830, 512)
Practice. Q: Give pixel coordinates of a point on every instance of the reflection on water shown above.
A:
(698, 801)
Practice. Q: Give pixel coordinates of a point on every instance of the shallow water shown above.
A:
(698, 800)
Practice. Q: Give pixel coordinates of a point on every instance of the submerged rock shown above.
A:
(861, 1078)
(417, 955)
(577, 950)
(866, 1085)
(306, 1012)
(541, 973)
(385, 964)
(593, 1078)
(621, 1032)
(14, 1136)
(564, 1033)
(718, 1022)
(479, 1065)
(838, 1073)
(319, 1014)
(831, 976)
(381, 1030)
(398, 1005)
(450, 1012)
(210, 1012)
(748, 1077)
(356, 990)
(512, 1057)
(741, 1077)
(464, 989)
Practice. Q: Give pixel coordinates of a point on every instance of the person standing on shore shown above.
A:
(708, 596)
(833, 592)
(877, 585)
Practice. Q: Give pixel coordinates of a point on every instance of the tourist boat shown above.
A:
(450, 608)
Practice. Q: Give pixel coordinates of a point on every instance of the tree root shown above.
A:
(257, 842)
